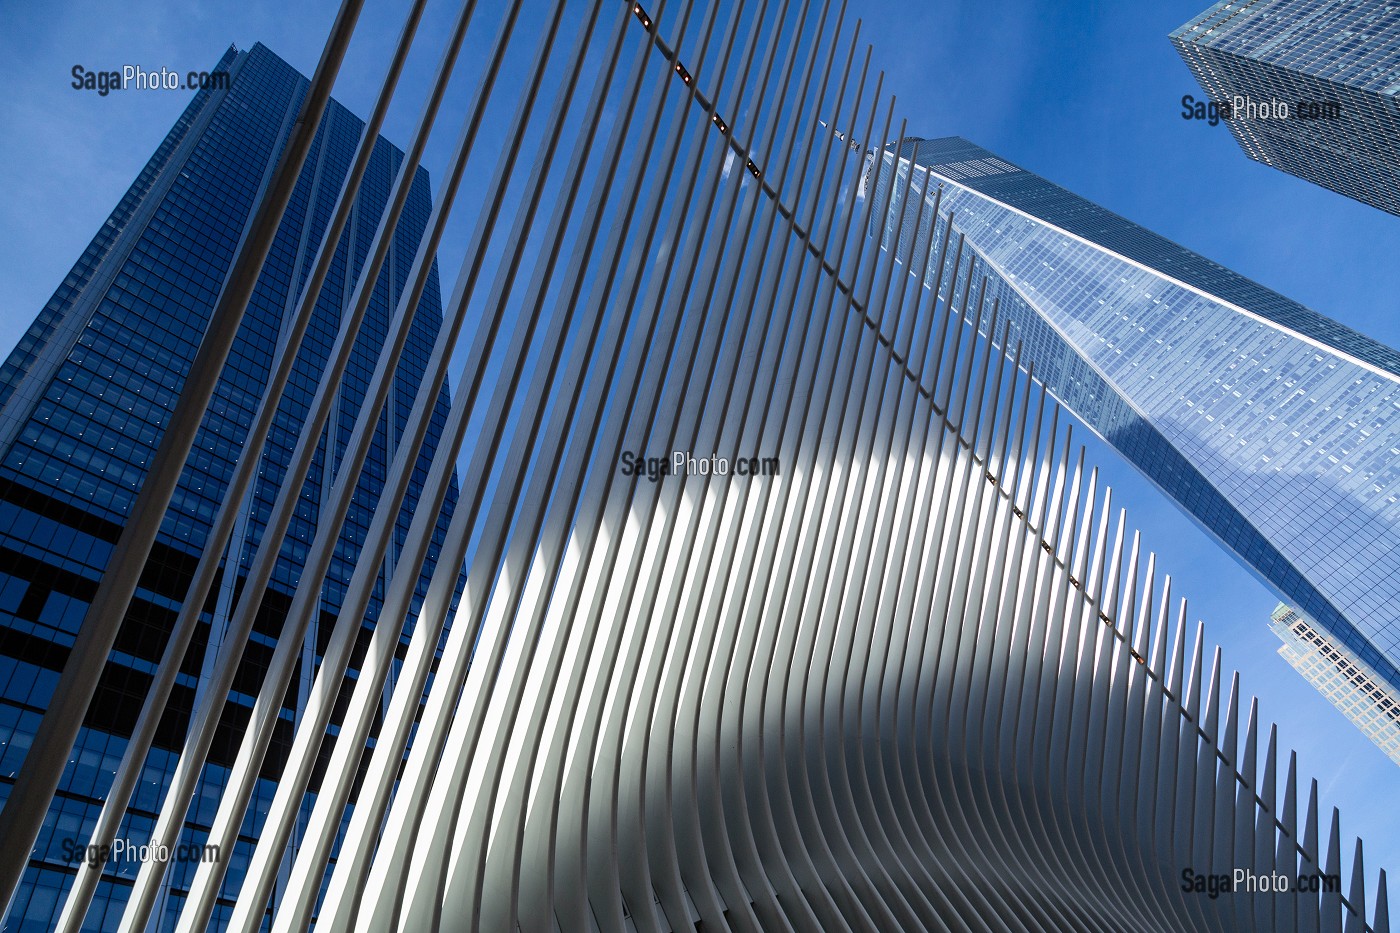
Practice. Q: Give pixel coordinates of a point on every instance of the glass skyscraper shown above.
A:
(1276, 428)
(1348, 684)
(84, 399)
(1333, 64)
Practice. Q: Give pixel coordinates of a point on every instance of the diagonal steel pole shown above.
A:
(29, 800)
(134, 759)
(198, 741)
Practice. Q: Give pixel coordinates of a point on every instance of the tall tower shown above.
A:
(86, 396)
(1275, 428)
(1312, 86)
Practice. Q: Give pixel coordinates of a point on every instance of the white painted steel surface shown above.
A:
(921, 677)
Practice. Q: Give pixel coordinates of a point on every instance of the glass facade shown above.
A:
(1276, 428)
(84, 399)
(1342, 53)
(1350, 686)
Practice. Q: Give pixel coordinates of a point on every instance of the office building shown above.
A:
(1351, 686)
(1311, 86)
(86, 396)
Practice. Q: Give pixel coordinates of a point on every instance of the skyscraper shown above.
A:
(86, 396)
(1276, 428)
(1311, 86)
(1348, 684)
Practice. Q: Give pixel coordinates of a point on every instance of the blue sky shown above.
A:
(1086, 94)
